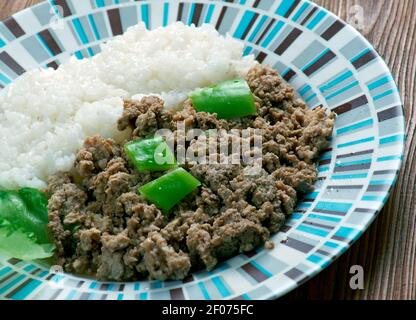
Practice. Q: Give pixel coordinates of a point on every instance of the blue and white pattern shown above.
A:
(327, 61)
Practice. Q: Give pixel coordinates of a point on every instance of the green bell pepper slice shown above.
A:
(229, 99)
(168, 190)
(23, 224)
(151, 154)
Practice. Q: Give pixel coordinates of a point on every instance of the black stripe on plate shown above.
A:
(350, 105)
(261, 56)
(197, 13)
(48, 38)
(327, 57)
(11, 63)
(180, 12)
(294, 273)
(13, 261)
(289, 75)
(115, 21)
(378, 188)
(335, 213)
(332, 188)
(177, 294)
(354, 154)
(11, 275)
(336, 27)
(293, 35)
(14, 27)
(362, 61)
(250, 25)
(220, 18)
(309, 15)
(319, 225)
(292, 8)
(255, 273)
(18, 288)
(390, 113)
(355, 167)
(188, 279)
(56, 294)
(362, 210)
(64, 8)
(256, 3)
(383, 172)
(84, 296)
(298, 245)
(53, 65)
(324, 162)
(265, 31)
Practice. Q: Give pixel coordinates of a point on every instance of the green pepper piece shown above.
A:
(151, 154)
(229, 99)
(23, 224)
(168, 190)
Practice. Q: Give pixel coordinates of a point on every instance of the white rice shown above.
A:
(46, 114)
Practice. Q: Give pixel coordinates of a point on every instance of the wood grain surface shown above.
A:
(387, 251)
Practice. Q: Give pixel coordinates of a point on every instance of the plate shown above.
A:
(327, 61)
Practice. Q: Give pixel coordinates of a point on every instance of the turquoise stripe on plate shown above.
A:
(333, 206)
(373, 198)
(362, 53)
(4, 271)
(316, 20)
(279, 25)
(245, 21)
(284, 7)
(4, 79)
(389, 158)
(143, 296)
(266, 272)
(315, 259)
(325, 218)
(384, 94)
(317, 232)
(191, 13)
(26, 290)
(145, 14)
(359, 125)
(396, 138)
(80, 30)
(45, 45)
(204, 291)
(257, 29)
(209, 13)
(346, 88)
(165, 14)
(100, 3)
(349, 176)
(331, 244)
(94, 27)
(346, 75)
(380, 82)
(353, 143)
(316, 59)
(12, 283)
(2, 43)
(221, 287)
(347, 233)
(300, 11)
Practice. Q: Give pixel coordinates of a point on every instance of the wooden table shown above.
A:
(387, 251)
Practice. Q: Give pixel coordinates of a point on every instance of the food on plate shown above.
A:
(203, 154)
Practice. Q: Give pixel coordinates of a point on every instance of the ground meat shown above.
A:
(103, 227)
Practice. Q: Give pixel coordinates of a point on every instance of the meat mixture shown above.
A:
(103, 227)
